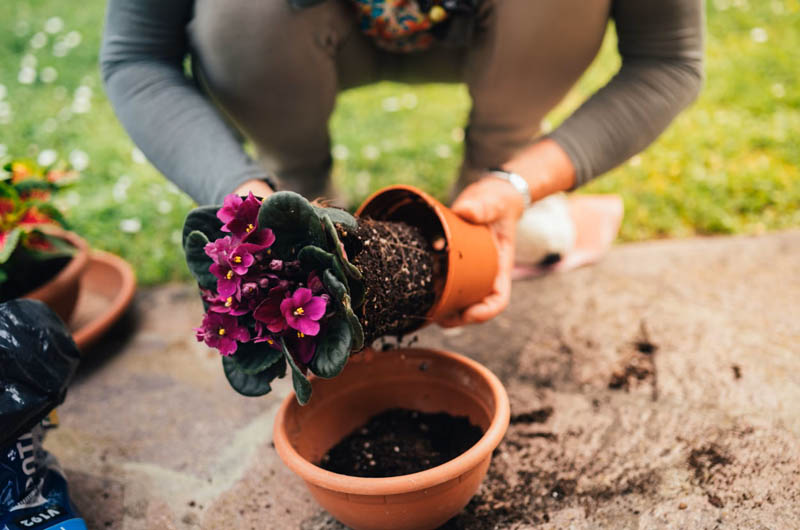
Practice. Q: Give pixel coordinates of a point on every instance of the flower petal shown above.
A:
(315, 308)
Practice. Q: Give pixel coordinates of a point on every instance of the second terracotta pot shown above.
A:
(419, 379)
(471, 266)
(61, 292)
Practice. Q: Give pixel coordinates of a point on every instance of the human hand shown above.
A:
(496, 203)
(258, 187)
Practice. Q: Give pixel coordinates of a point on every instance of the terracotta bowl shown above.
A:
(61, 292)
(422, 379)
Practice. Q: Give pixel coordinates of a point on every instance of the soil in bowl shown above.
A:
(400, 442)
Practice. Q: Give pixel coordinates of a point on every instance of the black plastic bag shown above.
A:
(37, 361)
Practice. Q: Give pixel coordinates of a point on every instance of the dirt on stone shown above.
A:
(401, 441)
(398, 266)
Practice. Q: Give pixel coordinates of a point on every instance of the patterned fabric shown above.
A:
(395, 25)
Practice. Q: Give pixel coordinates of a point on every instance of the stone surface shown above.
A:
(656, 389)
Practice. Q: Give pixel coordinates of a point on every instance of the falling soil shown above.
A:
(401, 441)
(398, 264)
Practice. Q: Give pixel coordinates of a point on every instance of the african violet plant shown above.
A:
(278, 289)
(290, 283)
(29, 253)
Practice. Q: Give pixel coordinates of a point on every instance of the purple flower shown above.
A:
(314, 283)
(269, 311)
(231, 305)
(303, 310)
(239, 216)
(228, 282)
(220, 249)
(221, 331)
(302, 348)
(241, 259)
(262, 336)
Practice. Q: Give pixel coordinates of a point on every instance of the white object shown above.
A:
(545, 228)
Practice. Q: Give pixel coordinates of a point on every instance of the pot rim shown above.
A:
(414, 481)
(74, 267)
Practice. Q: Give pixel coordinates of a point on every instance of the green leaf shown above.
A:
(356, 331)
(293, 220)
(302, 386)
(253, 358)
(32, 184)
(3, 276)
(197, 260)
(248, 384)
(339, 293)
(357, 292)
(333, 349)
(10, 244)
(52, 212)
(337, 215)
(334, 285)
(205, 221)
(338, 249)
(315, 258)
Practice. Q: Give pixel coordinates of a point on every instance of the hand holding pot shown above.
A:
(499, 205)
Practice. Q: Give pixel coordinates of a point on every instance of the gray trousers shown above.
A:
(276, 72)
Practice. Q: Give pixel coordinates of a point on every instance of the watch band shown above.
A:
(516, 180)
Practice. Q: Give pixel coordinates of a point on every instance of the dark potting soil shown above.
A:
(398, 264)
(401, 441)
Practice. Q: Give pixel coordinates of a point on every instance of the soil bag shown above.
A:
(37, 361)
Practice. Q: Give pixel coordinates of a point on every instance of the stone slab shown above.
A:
(656, 389)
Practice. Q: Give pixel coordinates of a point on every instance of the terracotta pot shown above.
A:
(61, 292)
(471, 266)
(421, 379)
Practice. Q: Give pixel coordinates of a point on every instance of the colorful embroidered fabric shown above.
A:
(395, 25)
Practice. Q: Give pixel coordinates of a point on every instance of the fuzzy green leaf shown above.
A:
(356, 331)
(10, 244)
(252, 358)
(338, 216)
(252, 385)
(302, 386)
(315, 258)
(339, 293)
(205, 221)
(349, 269)
(334, 285)
(197, 260)
(333, 349)
(293, 220)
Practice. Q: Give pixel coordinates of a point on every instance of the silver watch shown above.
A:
(516, 180)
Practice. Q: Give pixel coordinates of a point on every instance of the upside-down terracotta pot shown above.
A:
(468, 273)
(60, 293)
(420, 379)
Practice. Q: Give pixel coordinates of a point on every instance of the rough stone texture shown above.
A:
(657, 389)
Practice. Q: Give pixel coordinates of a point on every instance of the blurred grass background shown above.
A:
(730, 164)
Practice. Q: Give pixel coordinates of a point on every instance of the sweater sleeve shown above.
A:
(661, 45)
(173, 123)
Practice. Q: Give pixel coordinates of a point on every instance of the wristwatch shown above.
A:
(516, 180)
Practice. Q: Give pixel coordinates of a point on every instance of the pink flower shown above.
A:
(269, 311)
(222, 332)
(303, 310)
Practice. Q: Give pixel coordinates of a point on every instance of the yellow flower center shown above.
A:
(269, 251)
(222, 331)
(299, 311)
(237, 259)
(229, 275)
(250, 228)
(270, 342)
(300, 335)
(229, 301)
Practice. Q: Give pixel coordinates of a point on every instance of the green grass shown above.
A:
(730, 164)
